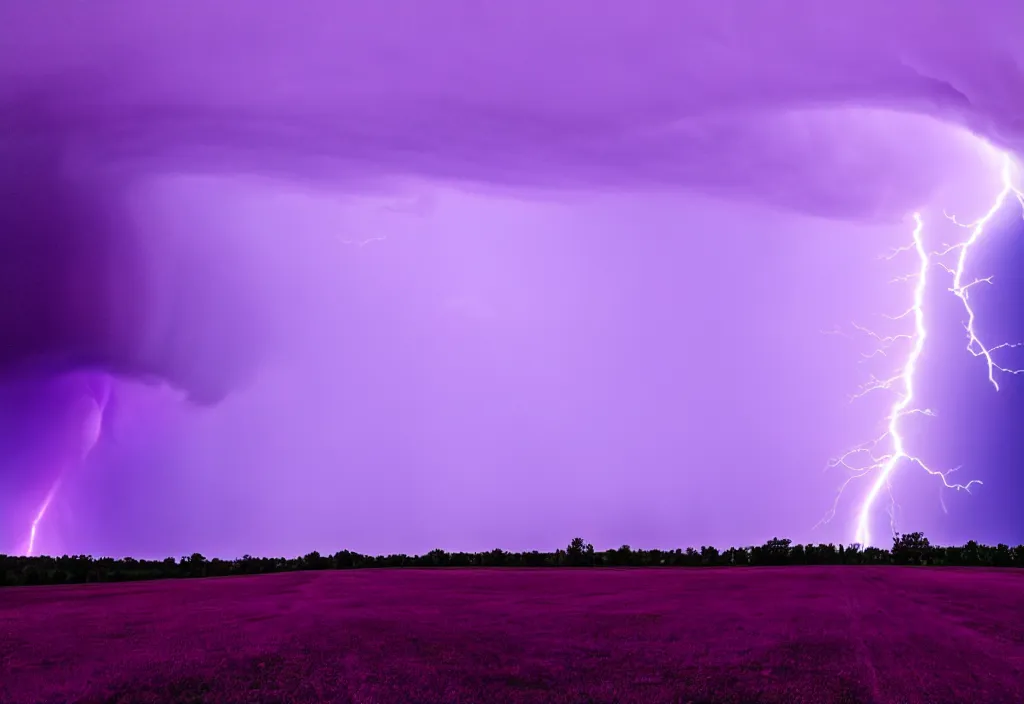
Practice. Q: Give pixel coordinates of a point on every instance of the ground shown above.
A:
(787, 635)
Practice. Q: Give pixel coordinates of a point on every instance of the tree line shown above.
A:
(907, 549)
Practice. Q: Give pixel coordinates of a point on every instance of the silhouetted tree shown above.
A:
(438, 557)
(908, 549)
(194, 565)
(313, 561)
(579, 553)
(709, 555)
(970, 554)
(774, 552)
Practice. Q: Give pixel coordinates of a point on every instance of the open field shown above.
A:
(790, 634)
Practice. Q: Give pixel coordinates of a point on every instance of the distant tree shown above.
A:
(908, 549)
(827, 554)
(534, 558)
(970, 554)
(736, 557)
(194, 565)
(875, 556)
(313, 561)
(219, 568)
(438, 557)
(709, 556)
(574, 553)
(343, 560)
(774, 552)
(400, 560)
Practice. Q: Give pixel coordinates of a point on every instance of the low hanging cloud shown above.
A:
(810, 108)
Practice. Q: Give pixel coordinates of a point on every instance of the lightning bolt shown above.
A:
(961, 290)
(91, 431)
(884, 454)
(40, 514)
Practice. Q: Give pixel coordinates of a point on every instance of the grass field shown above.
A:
(787, 635)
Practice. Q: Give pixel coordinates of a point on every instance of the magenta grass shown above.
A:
(790, 634)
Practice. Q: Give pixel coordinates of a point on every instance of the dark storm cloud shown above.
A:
(84, 286)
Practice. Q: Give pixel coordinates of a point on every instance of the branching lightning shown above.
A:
(881, 456)
(961, 290)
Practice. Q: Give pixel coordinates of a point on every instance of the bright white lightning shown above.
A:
(885, 463)
(899, 408)
(960, 290)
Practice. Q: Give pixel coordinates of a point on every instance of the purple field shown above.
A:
(791, 634)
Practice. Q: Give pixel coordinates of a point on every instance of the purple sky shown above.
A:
(606, 239)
